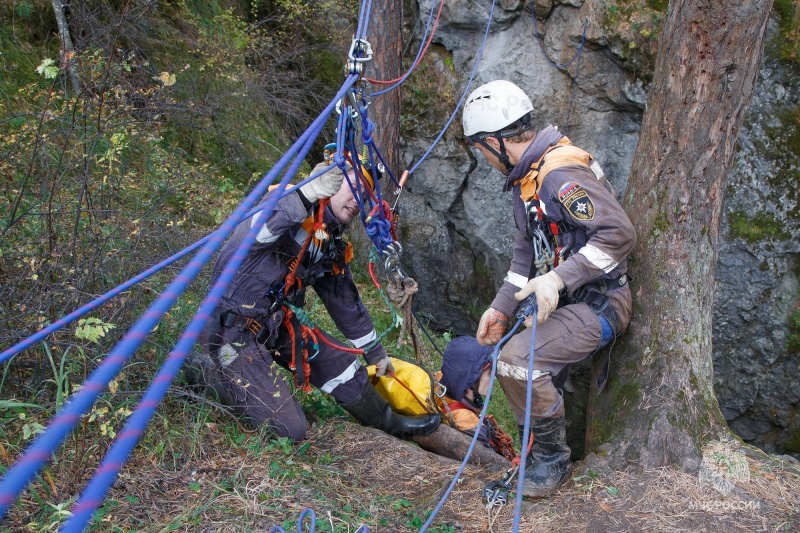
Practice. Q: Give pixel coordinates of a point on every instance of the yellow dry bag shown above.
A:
(408, 391)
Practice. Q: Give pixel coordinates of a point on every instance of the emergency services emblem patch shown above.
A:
(577, 202)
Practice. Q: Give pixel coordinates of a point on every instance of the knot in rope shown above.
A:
(401, 291)
(379, 232)
(340, 161)
(378, 226)
(367, 127)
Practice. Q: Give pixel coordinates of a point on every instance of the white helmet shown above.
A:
(493, 107)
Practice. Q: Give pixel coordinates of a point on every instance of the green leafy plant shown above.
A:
(793, 336)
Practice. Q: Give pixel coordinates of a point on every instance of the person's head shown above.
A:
(466, 369)
(344, 204)
(497, 121)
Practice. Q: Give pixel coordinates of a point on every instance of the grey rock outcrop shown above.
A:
(457, 227)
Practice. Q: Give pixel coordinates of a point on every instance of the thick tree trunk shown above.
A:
(67, 49)
(386, 38)
(660, 406)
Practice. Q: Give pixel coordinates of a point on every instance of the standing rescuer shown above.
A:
(571, 248)
(253, 330)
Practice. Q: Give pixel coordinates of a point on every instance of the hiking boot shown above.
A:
(548, 463)
(372, 410)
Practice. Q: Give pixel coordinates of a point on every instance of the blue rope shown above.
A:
(416, 59)
(127, 439)
(386, 166)
(363, 20)
(313, 524)
(310, 512)
(463, 96)
(526, 432)
(486, 400)
(26, 467)
(100, 300)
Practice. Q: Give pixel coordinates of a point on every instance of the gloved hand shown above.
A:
(324, 186)
(383, 366)
(546, 288)
(492, 327)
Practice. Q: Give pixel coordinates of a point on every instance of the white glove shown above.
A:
(383, 366)
(492, 327)
(324, 186)
(546, 288)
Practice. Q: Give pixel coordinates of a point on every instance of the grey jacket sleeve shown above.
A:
(517, 275)
(344, 305)
(288, 216)
(578, 197)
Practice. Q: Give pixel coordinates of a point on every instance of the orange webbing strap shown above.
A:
(517, 459)
(308, 334)
(287, 323)
(318, 225)
(559, 155)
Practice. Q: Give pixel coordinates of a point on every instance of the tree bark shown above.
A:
(660, 406)
(67, 49)
(451, 443)
(386, 38)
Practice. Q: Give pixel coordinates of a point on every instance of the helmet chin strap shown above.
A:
(502, 155)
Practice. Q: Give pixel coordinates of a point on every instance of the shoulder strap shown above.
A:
(559, 155)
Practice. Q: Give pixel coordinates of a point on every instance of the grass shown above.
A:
(190, 430)
(154, 155)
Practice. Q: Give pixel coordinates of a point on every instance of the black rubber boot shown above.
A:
(548, 463)
(372, 410)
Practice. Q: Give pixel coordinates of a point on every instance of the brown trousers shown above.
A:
(569, 335)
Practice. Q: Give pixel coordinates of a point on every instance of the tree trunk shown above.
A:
(67, 49)
(451, 443)
(386, 38)
(660, 406)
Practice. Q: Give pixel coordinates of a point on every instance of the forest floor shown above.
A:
(351, 476)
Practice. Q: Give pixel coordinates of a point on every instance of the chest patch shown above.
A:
(577, 202)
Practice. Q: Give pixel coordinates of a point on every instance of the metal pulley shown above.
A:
(391, 262)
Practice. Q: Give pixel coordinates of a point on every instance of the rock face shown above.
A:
(457, 228)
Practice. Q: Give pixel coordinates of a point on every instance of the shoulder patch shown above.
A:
(577, 202)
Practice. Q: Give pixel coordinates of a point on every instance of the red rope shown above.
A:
(371, 269)
(412, 393)
(417, 62)
(357, 351)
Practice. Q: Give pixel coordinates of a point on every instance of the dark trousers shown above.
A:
(254, 387)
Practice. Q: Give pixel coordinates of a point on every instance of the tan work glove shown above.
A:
(324, 186)
(546, 288)
(492, 327)
(383, 366)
